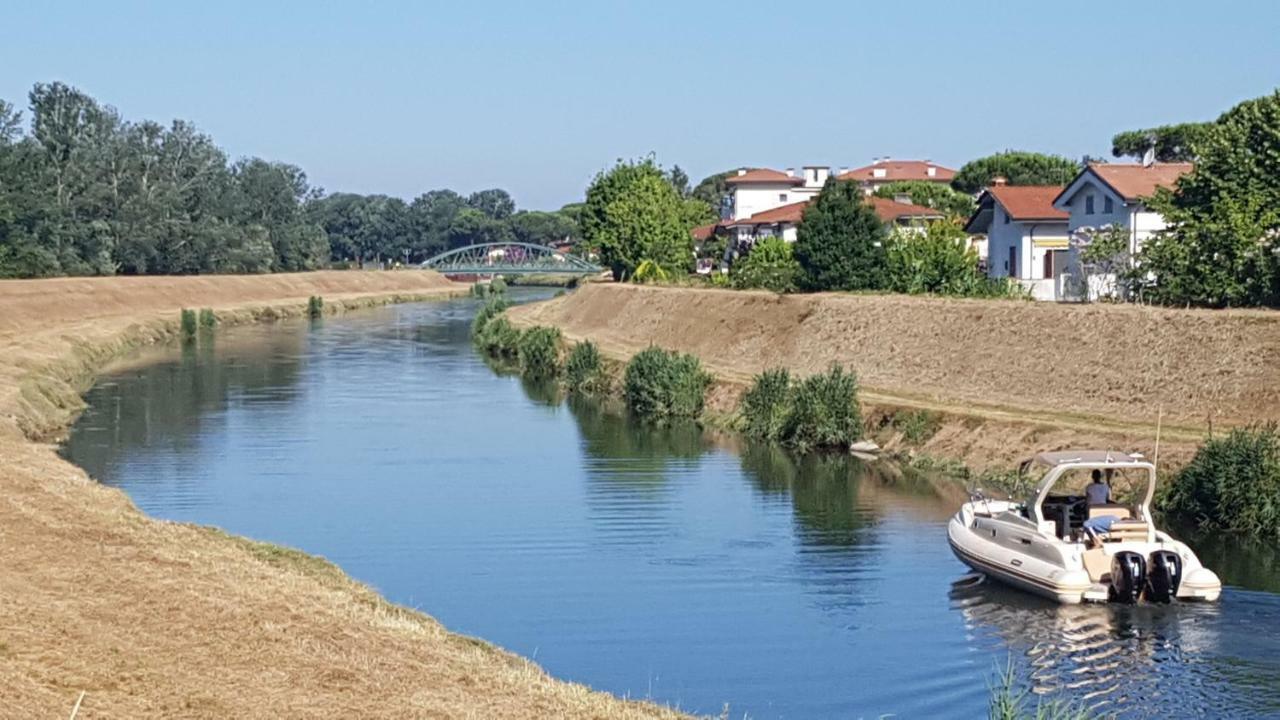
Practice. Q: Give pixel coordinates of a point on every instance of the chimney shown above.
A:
(877, 160)
(932, 171)
(844, 169)
(742, 171)
(791, 172)
(999, 180)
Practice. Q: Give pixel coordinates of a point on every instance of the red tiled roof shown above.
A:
(702, 232)
(891, 210)
(782, 214)
(900, 170)
(1133, 181)
(1029, 202)
(764, 175)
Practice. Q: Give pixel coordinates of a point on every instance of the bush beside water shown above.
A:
(660, 384)
(207, 319)
(538, 350)
(1232, 484)
(315, 306)
(820, 411)
(583, 370)
(188, 323)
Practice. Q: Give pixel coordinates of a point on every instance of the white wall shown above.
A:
(1024, 236)
(758, 197)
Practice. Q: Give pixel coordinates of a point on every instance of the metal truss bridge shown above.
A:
(510, 258)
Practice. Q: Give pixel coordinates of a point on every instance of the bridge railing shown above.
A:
(508, 259)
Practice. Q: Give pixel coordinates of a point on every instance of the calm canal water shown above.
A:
(649, 563)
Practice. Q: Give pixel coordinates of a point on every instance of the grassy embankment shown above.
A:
(967, 385)
(159, 619)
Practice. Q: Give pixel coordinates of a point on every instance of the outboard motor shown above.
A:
(1128, 576)
(1164, 574)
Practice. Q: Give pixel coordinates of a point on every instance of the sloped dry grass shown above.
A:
(157, 619)
(1011, 377)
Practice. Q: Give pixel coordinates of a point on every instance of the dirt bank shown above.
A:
(157, 619)
(1008, 377)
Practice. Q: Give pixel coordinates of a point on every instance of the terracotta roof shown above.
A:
(900, 170)
(887, 210)
(702, 232)
(764, 175)
(1029, 202)
(891, 210)
(782, 214)
(1133, 181)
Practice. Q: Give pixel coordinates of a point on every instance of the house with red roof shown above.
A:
(1116, 195)
(1026, 235)
(883, 171)
(784, 221)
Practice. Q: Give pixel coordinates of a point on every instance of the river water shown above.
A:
(651, 563)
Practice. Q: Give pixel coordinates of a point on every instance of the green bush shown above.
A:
(497, 286)
(660, 384)
(207, 319)
(188, 323)
(770, 266)
(315, 306)
(500, 339)
(583, 371)
(487, 312)
(917, 426)
(824, 411)
(539, 352)
(1232, 483)
(479, 290)
(767, 405)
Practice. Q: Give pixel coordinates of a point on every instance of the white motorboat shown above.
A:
(1060, 545)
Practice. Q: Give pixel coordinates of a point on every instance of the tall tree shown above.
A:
(495, 203)
(713, 190)
(1018, 168)
(930, 194)
(1169, 143)
(840, 241)
(1223, 242)
(633, 214)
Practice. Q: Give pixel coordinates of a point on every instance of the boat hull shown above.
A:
(1055, 583)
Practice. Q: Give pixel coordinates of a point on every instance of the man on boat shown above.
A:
(1097, 493)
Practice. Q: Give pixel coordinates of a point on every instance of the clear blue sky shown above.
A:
(535, 97)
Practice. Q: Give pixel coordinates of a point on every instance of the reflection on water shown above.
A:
(645, 560)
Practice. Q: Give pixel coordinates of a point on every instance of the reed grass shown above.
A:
(315, 306)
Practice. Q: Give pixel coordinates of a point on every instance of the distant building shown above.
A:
(784, 221)
(883, 171)
(1113, 194)
(1027, 237)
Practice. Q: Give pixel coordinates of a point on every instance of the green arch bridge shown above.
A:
(511, 258)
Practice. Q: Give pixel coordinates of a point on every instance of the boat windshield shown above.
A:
(1083, 493)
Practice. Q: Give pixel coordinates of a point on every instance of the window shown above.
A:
(1088, 205)
(1107, 205)
(782, 197)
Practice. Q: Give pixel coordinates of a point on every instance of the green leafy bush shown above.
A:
(499, 338)
(207, 319)
(770, 265)
(766, 406)
(187, 321)
(821, 411)
(824, 411)
(935, 260)
(917, 426)
(1232, 483)
(497, 286)
(487, 312)
(315, 306)
(538, 349)
(660, 384)
(583, 371)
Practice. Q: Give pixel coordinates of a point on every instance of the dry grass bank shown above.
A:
(1008, 377)
(157, 619)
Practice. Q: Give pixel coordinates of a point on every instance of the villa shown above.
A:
(883, 171)
(1027, 237)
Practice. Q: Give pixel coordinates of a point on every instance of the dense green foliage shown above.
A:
(930, 194)
(1019, 168)
(917, 426)
(936, 260)
(819, 412)
(767, 404)
(1171, 143)
(1232, 483)
(840, 241)
(85, 192)
(583, 370)
(315, 306)
(207, 319)
(492, 332)
(660, 384)
(713, 189)
(538, 351)
(188, 323)
(1223, 244)
(633, 214)
(770, 265)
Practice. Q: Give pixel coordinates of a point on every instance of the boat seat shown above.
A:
(1097, 563)
(1119, 511)
(1128, 530)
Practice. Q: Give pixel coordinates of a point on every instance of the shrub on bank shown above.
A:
(766, 406)
(207, 319)
(821, 411)
(497, 286)
(315, 306)
(583, 371)
(917, 426)
(187, 320)
(1232, 483)
(824, 411)
(660, 384)
(538, 349)
(499, 338)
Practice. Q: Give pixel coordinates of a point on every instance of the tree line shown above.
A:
(83, 191)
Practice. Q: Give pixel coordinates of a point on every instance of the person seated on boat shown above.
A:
(1097, 526)
(1098, 492)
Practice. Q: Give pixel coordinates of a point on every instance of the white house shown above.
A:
(1116, 194)
(783, 221)
(1026, 236)
(883, 171)
(759, 189)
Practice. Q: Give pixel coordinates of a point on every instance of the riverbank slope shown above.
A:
(157, 619)
(1005, 378)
